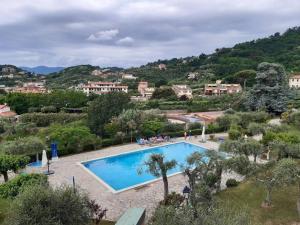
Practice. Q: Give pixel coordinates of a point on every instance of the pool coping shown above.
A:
(128, 152)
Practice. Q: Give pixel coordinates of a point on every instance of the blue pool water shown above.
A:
(121, 171)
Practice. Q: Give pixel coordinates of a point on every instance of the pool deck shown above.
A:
(117, 203)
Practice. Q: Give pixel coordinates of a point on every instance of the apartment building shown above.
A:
(218, 88)
(145, 90)
(100, 88)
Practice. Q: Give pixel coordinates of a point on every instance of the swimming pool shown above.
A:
(120, 172)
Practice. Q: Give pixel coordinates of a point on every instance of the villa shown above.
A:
(294, 81)
(100, 88)
(145, 90)
(183, 90)
(218, 88)
(31, 87)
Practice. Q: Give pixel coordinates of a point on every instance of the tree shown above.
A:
(23, 146)
(271, 91)
(10, 162)
(164, 93)
(284, 173)
(158, 167)
(246, 78)
(103, 108)
(44, 205)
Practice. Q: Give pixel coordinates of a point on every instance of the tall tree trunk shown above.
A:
(268, 199)
(255, 156)
(5, 175)
(166, 187)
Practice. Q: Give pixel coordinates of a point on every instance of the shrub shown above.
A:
(229, 111)
(40, 205)
(234, 134)
(74, 138)
(211, 137)
(45, 119)
(49, 109)
(173, 199)
(16, 185)
(231, 183)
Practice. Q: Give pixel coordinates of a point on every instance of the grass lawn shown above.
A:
(249, 194)
(4, 207)
(107, 223)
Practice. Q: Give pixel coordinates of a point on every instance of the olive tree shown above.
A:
(158, 167)
(44, 205)
(284, 173)
(11, 162)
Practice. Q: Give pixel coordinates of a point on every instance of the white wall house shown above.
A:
(294, 81)
(103, 88)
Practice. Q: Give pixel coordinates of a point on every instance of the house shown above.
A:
(192, 76)
(183, 90)
(31, 87)
(218, 88)
(6, 112)
(127, 76)
(145, 90)
(162, 66)
(103, 88)
(294, 81)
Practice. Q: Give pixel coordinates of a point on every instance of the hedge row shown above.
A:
(45, 119)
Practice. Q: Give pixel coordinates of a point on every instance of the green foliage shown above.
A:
(271, 91)
(49, 109)
(164, 93)
(43, 205)
(45, 119)
(72, 138)
(103, 108)
(234, 134)
(23, 146)
(286, 137)
(17, 184)
(151, 128)
(21, 103)
(231, 183)
(255, 129)
(10, 162)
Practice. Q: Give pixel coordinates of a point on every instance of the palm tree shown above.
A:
(158, 167)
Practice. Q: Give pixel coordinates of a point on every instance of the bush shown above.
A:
(73, 138)
(44, 120)
(48, 206)
(234, 134)
(49, 109)
(16, 185)
(229, 111)
(231, 183)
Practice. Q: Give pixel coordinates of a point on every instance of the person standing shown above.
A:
(185, 135)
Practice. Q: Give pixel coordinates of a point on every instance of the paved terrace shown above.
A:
(146, 197)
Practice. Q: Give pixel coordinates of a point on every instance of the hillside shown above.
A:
(44, 70)
(80, 74)
(224, 63)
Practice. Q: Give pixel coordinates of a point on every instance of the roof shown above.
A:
(8, 114)
(296, 76)
(133, 216)
(3, 106)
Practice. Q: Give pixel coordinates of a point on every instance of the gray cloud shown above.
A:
(132, 32)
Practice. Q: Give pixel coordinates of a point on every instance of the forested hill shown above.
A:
(224, 63)
(280, 48)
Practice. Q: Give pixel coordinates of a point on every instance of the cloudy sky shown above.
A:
(132, 32)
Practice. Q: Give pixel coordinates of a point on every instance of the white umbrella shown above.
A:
(44, 158)
(203, 134)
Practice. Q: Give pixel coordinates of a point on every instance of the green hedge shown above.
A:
(14, 186)
(45, 119)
